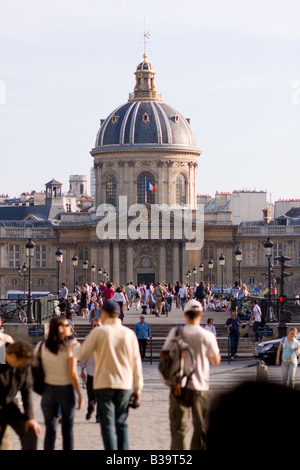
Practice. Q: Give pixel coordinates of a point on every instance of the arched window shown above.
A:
(141, 188)
(111, 190)
(180, 190)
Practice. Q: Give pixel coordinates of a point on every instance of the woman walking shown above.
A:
(288, 351)
(61, 380)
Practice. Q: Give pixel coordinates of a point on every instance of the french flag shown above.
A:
(150, 186)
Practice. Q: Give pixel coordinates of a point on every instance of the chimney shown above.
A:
(266, 216)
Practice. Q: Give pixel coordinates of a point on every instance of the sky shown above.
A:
(231, 67)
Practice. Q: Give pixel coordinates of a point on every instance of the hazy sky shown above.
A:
(232, 67)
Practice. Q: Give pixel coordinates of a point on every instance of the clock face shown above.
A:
(145, 216)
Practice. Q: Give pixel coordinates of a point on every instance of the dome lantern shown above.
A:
(145, 88)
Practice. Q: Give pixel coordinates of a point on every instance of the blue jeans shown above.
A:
(55, 399)
(113, 413)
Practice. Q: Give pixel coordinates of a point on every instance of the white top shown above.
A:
(203, 342)
(118, 362)
(257, 313)
(56, 365)
(119, 297)
(211, 328)
(182, 292)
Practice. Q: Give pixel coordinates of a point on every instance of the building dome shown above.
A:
(144, 119)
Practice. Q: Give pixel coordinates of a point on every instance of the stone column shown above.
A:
(176, 262)
(129, 256)
(162, 263)
(116, 263)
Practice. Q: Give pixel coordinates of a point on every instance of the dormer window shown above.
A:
(145, 118)
(114, 119)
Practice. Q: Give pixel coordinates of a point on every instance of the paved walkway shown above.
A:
(148, 424)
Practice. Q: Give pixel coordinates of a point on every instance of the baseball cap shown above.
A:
(111, 307)
(193, 305)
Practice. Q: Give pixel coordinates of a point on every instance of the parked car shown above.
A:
(267, 350)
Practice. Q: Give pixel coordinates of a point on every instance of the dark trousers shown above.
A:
(12, 416)
(256, 326)
(142, 345)
(234, 343)
(91, 394)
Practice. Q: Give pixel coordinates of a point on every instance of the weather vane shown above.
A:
(146, 38)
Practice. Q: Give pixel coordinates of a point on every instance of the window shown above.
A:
(277, 251)
(111, 190)
(83, 252)
(180, 190)
(14, 256)
(251, 254)
(207, 251)
(142, 197)
(41, 256)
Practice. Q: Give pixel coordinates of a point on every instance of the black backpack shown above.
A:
(177, 363)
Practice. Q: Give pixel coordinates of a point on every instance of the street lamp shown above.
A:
(93, 269)
(22, 272)
(30, 249)
(238, 257)
(85, 266)
(211, 266)
(268, 244)
(75, 264)
(222, 264)
(194, 272)
(201, 269)
(59, 260)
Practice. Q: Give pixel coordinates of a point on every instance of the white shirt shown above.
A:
(56, 365)
(203, 343)
(257, 313)
(211, 328)
(116, 350)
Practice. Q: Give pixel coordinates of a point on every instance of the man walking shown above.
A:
(233, 325)
(15, 376)
(196, 393)
(118, 374)
(143, 332)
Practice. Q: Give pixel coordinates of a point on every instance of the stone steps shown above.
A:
(160, 332)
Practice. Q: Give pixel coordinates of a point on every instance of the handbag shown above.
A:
(38, 371)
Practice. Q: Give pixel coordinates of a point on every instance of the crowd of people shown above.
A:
(110, 358)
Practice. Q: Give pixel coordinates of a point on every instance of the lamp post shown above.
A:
(194, 272)
(75, 264)
(100, 271)
(59, 260)
(268, 244)
(222, 264)
(201, 269)
(85, 266)
(239, 256)
(22, 272)
(30, 249)
(93, 269)
(210, 266)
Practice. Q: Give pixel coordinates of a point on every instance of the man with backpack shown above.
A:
(192, 388)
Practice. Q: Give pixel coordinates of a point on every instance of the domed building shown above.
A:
(145, 153)
(146, 140)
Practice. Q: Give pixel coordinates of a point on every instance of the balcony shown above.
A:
(269, 231)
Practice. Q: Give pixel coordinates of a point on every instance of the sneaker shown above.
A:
(232, 358)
